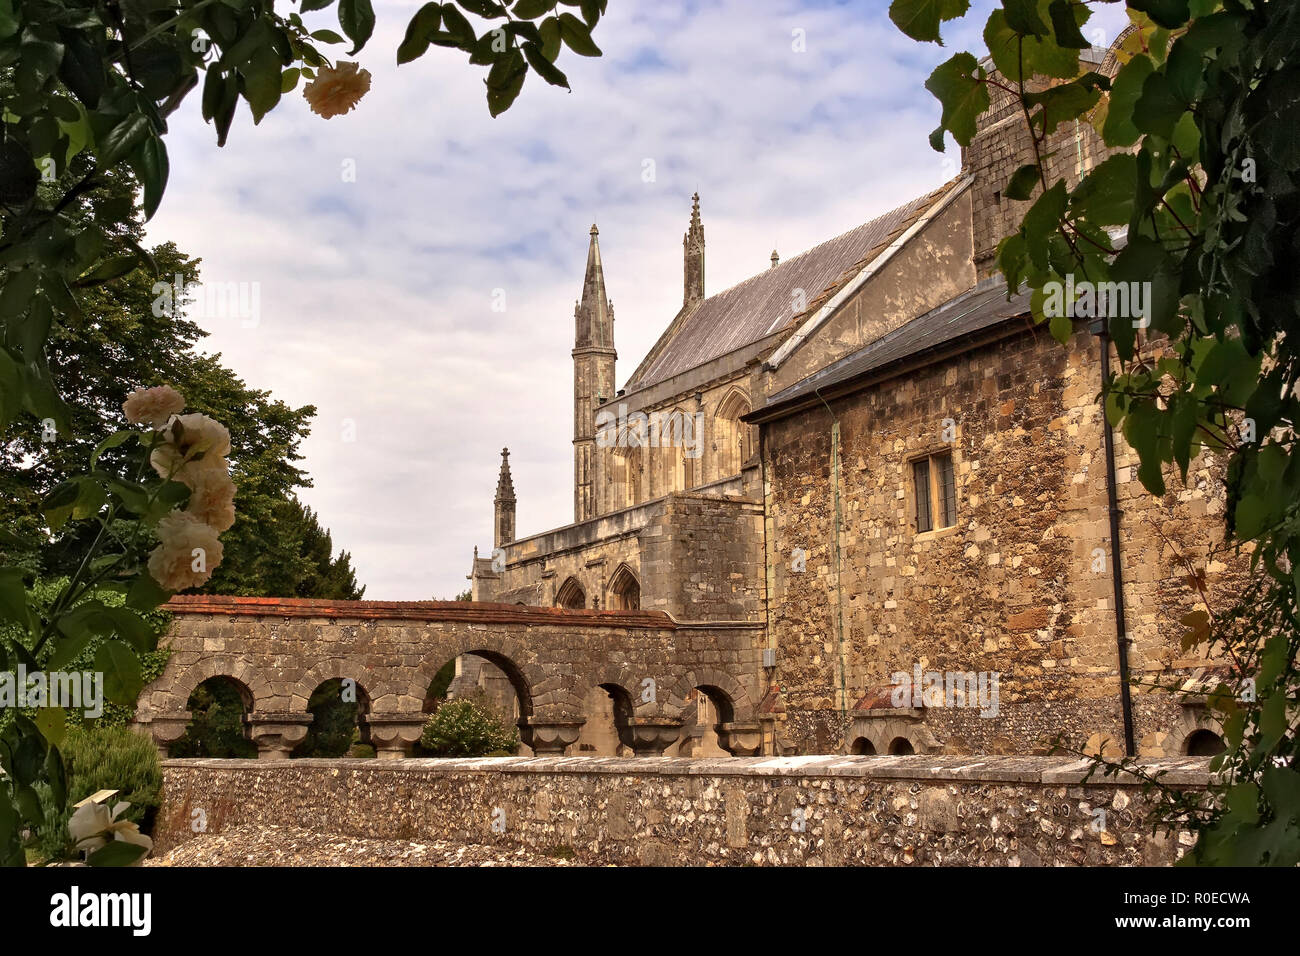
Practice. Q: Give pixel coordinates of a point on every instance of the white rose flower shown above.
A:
(194, 442)
(190, 551)
(93, 826)
(212, 497)
(153, 406)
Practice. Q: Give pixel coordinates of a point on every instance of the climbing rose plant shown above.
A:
(1205, 191)
(87, 89)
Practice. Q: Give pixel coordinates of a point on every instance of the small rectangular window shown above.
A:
(947, 491)
(921, 476)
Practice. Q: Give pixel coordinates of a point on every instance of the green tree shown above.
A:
(1205, 188)
(87, 87)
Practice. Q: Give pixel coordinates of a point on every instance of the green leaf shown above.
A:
(920, 19)
(423, 25)
(550, 31)
(146, 593)
(1105, 197)
(1022, 16)
(326, 36)
(532, 9)
(117, 853)
(458, 26)
(289, 79)
(1170, 14)
(262, 81)
(1126, 88)
(577, 36)
(151, 168)
(1023, 182)
(122, 139)
(115, 440)
(108, 270)
(1066, 23)
(1157, 109)
(357, 18)
(52, 723)
(959, 86)
(1042, 220)
(544, 67)
(121, 670)
(13, 597)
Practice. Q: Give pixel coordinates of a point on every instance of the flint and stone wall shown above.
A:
(1020, 585)
(931, 811)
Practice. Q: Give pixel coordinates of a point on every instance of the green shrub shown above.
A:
(468, 727)
(114, 758)
(102, 758)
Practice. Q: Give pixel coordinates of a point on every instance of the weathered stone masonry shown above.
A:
(945, 811)
(278, 651)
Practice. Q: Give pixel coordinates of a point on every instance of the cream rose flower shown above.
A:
(336, 90)
(153, 406)
(187, 437)
(93, 826)
(188, 553)
(212, 498)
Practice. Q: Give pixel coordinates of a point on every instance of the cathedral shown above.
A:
(871, 452)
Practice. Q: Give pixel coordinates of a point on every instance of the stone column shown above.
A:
(651, 736)
(166, 729)
(741, 738)
(550, 737)
(394, 735)
(276, 733)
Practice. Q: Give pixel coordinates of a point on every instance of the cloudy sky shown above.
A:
(426, 308)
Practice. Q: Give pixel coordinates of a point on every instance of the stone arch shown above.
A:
(902, 746)
(1202, 742)
(571, 595)
(720, 686)
(343, 669)
(624, 590)
(733, 440)
(500, 652)
(240, 671)
(863, 746)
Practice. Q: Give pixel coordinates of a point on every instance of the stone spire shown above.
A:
(594, 313)
(776, 260)
(693, 256)
(593, 377)
(504, 505)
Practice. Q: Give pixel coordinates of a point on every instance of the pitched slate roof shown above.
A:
(761, 305)
(975, 310)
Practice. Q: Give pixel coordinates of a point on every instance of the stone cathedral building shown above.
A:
(871, 454)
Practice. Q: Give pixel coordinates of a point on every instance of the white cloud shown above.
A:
(376, 294)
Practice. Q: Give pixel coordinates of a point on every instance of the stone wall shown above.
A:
(1019, 585)
(870, 811)
(277, 651)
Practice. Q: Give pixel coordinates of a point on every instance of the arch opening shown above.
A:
(863, 747)
(624, 590)
(1203, 743)
(571, 595)
(608, 710)
(901, 747)
(218, 727)
(339, 707)
(495, 691)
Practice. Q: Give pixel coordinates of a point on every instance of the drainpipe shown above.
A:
(1116, 570)
(835, 556)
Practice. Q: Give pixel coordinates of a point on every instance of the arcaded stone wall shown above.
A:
(871, 811)
(280, 650)
(1020, 585)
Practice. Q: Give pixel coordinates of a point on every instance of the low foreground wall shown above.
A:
(831, 810)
